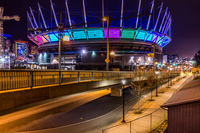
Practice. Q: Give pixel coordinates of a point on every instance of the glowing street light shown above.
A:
(112, 53)
(83, 51)
(123, 83)
(66, 39)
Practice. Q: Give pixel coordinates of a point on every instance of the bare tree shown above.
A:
(151, 80)
(138, 87)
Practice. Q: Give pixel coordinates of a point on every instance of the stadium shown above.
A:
(135, 28)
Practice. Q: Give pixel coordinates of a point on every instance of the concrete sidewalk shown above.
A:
(144, 123)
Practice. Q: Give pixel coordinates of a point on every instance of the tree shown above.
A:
(138, 87)
(151, 80)
(197, 58)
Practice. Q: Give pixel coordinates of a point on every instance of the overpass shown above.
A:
(20, 87)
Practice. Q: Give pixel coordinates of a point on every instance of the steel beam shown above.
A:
(122, 12)
(84, 11)
(149, 20)
(69, 18)
(56, 21)
(163, 19)
(45, 26)
(138, 13)
(36, 25)
(158, 17)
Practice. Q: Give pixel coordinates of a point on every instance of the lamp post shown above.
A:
(123, 83)
(156, 83)
(112, 54)
(132, 63)
(106, 19)
(153, 57)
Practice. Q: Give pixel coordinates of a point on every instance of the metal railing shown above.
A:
(144, 124)
(14, 79)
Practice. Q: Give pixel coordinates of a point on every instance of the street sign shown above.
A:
(107, 60)
(150, 55)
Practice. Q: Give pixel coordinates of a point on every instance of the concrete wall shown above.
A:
(16, 98)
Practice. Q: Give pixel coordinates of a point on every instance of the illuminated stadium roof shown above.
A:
(148, 24)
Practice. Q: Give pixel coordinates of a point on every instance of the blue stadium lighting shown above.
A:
(79, 35)
(127, 33)
(95, 33)
(148, 29)
(53, 37)
(141, 35)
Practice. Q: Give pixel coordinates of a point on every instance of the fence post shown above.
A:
(130, 126)
(150, 122)
(78, 77)
(102, 75)
(59, 77)
(92, 76)
(31, 79)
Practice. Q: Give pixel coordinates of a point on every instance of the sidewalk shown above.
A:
(134, 122)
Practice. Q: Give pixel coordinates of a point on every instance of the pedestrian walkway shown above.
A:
(152, 115)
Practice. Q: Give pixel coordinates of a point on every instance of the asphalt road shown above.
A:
(85, 114)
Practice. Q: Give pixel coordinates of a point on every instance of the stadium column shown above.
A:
(107, 64)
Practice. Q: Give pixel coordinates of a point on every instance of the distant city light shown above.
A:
(93, 53)
(83, 51)
(123, 82)
(2, 59)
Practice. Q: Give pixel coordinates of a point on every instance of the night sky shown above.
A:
(185, 25)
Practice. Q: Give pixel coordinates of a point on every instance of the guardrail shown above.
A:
(143, 124)
(14, 79)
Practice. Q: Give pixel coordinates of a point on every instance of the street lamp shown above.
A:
(106, 19)
(156, 83)
(123, 83)
(138, 60)
(132, 63)
(153, 57)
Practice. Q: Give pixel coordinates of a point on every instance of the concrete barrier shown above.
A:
(20, 97)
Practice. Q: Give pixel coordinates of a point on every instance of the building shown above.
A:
(184, 109)
(5, 51)
(131, 36)
(20, 49)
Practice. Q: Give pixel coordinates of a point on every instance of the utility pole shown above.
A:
(153, 45)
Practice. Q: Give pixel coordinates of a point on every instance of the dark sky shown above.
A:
(185, 26)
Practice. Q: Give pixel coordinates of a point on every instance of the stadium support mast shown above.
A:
(45, 26)
(4, 18)
(29, 18)
(158, 17)
(138, 13)
(56, 21)
(165, 22)
(36, 25)
(85, 18)
(152, 6)
(68, 14)
(122, 11)
(168, 25)
(163, 19)
(103, 14)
